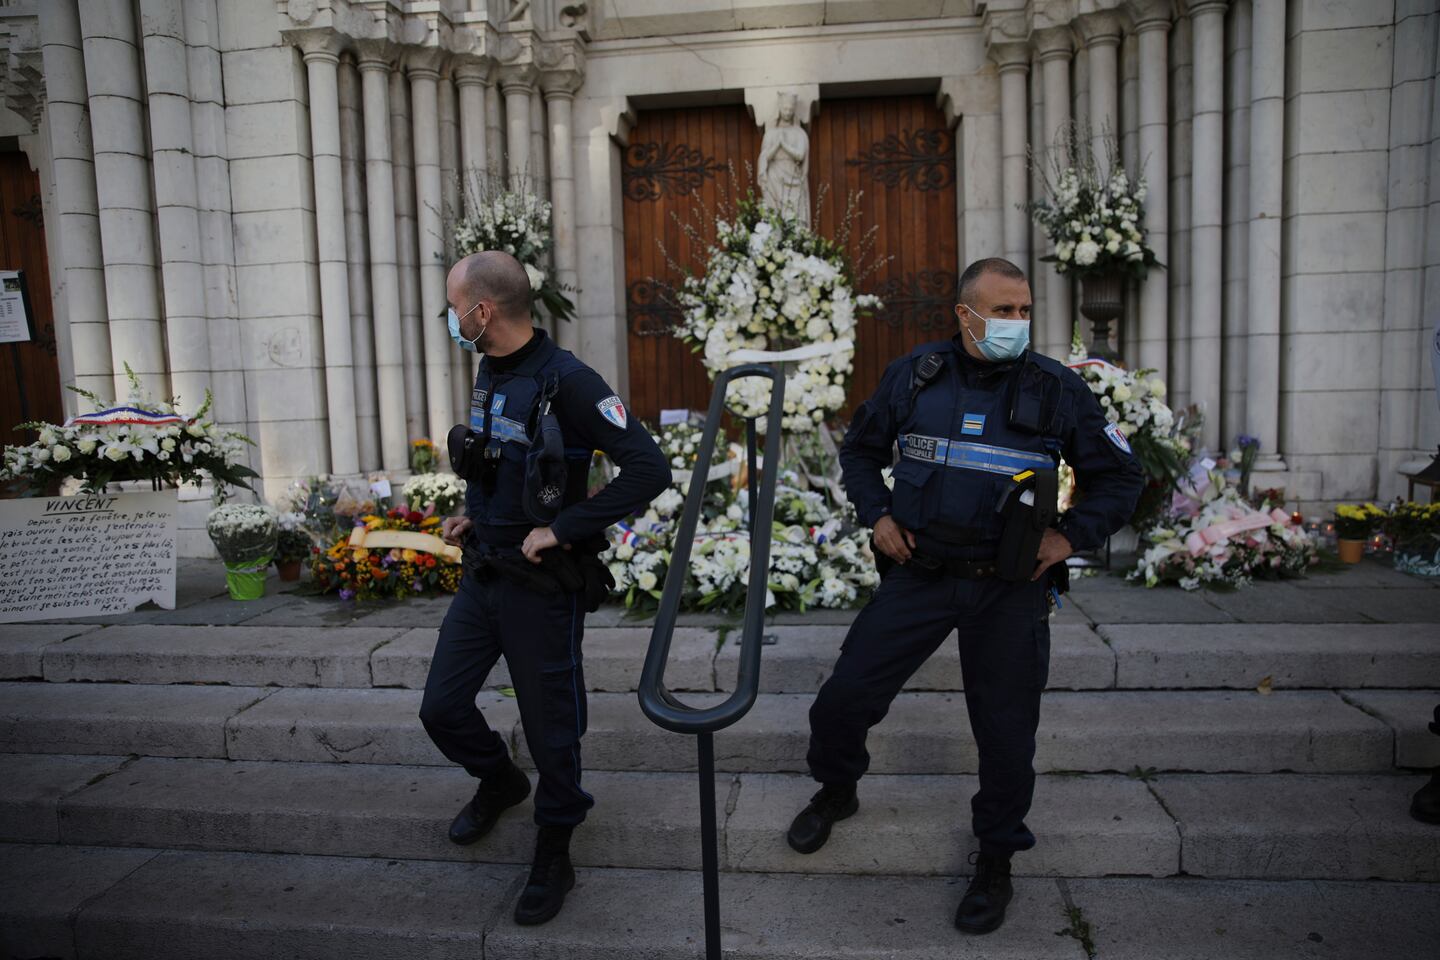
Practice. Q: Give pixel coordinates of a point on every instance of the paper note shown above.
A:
(86, 555)
(14, 323)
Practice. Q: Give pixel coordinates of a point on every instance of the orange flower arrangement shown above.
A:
(358, 573)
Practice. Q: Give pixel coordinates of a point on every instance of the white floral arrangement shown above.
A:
(243, 532)
(142, 440)
(818, 557)
(436, 494)
(1095, 221)
(1214, 537)
(1134, 401)
(772, 284)
(517, 222)
(680, 443)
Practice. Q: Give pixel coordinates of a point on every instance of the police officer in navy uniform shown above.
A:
(531, 540)
(974, 419)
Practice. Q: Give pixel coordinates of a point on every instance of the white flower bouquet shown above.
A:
(140, 441)
(772, 284)
(246, 536)
(518, 222)
(435, 494)
(1095, 222)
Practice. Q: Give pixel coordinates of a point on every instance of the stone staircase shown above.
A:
(174, 788)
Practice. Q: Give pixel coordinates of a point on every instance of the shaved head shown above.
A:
(495, 276)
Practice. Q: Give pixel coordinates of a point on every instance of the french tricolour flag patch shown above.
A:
(613, 410)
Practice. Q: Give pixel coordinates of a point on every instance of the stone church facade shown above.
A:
(252, 195)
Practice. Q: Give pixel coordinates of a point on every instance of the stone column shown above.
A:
(494, 131)
(1262, 301)
(126, 206)
(1234, 321)
(1207, 19)
(1054, 48)
(1036, 268)
(384, 273)
(430, 241)
(172, 148)
(1014, 62)
(1152, 25)
(1178, 274)
(357, 247)
(321, 63)
(472, 77)
(517, 86)
(407, 257)
(216, 215)
(450, 174)
(77, 227)
(1101, 32)
(559, 100)
(539, 152)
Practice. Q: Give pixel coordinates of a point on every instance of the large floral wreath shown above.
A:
(772, 284)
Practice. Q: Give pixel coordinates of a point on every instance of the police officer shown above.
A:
(537, 414)
(976, 418)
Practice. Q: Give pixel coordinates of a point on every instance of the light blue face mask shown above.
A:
(1004, 339)
(457, 336)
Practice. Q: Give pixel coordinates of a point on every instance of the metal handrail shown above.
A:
(658, 703)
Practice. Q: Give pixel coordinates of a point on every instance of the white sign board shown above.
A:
(86, 555)
(14, 323)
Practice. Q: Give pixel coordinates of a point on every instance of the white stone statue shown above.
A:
(784, 168)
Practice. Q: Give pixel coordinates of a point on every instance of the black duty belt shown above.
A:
(960, 569)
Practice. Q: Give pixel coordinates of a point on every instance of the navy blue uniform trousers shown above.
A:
(539, 635)
(1004, 635)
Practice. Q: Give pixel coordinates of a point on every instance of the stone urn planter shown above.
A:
(1102, 302)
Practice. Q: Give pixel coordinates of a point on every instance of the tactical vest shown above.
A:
(958, 455)
(504, 412)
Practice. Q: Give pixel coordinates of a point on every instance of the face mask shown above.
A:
(458, 337)
(1004, 339)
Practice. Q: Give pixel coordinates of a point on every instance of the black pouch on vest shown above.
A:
(1028, 509)
(1034, 399)
(464, 448)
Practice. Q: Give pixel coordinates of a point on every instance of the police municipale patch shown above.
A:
(613, 410)
(1117, 437)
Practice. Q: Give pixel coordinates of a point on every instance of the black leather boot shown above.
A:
(983, 907)
(811, 826)
(551, 877)
(499, 791)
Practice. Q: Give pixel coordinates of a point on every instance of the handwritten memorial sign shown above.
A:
(87, 555)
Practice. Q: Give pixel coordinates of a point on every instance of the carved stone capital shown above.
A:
(562, 66)
(470, 69)
(1098, 29)
(1053, 43)
(425, 61)
(1011, 56)
(318, 43)
(1150, 14)
(1202, 8)
(22, 68)
(375, 55)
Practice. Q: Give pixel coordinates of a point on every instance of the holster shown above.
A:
(1028, 509)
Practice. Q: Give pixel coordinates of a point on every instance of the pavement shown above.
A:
(1220, 774)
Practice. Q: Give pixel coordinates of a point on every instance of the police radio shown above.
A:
(1027, 508)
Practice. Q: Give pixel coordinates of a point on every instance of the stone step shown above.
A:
(802, 657)
(1272, 826)
(925, 733)
(117, 718)
(1240, 656)
(1409, 713)
(1093, 826)
(108, 904)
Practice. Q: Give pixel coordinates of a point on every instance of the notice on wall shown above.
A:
(86, 555)
(14, 318)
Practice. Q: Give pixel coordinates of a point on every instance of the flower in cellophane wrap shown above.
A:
(245, 535)
(771, 284)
